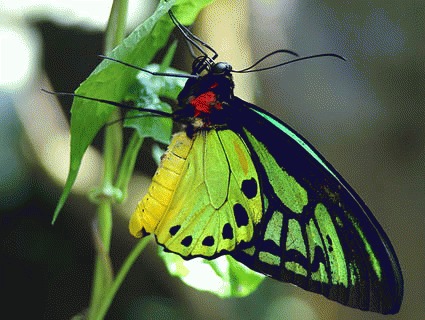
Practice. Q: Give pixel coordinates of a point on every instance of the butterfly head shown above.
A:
(221, 68)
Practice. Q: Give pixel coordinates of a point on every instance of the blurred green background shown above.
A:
(366, 116)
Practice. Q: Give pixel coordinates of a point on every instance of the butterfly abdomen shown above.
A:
(154, 204)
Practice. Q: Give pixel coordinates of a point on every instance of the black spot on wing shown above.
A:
(241, 216)
(187, 241)
(174, 230)
(208, 241)
(249, 188)
(227, 232)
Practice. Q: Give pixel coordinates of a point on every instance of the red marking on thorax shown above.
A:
(205, 102)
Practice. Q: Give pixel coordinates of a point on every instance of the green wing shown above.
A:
(315, 232)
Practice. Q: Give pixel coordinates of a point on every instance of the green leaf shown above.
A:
(169, 56)
(223, 276)
(158, 128)
(164, 87)
(111, 80)
(147, 93)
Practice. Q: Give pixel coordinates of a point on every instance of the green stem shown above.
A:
(115, 30)
(112, 150)
(127, 164)
(102, 273)
(111, 292)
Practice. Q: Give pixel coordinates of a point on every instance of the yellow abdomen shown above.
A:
(154, 204)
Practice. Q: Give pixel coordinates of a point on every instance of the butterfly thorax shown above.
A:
(205, 101)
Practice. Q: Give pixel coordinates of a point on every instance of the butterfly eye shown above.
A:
(221, 68)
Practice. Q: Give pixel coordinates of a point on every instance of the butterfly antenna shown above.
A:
(290, 61)
(189, 46)
(268, 55)
(176, 75)
(112, 103)
(193, 39)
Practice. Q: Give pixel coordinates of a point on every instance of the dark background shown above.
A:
(366, 116)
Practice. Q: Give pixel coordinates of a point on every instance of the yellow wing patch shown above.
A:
(204, 198)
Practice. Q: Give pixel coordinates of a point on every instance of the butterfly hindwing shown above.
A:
(209, 196)
(315, 232)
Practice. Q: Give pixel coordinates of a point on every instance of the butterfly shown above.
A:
(239, 181)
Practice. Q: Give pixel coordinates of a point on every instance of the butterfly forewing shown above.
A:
(328, 242)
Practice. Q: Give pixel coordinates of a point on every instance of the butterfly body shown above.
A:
(291, 215)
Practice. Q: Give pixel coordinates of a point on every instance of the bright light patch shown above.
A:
(15, 59)
(202, 276)
(92, 12)
(89, 13)
(222, 276)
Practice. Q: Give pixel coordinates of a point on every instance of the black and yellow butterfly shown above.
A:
(239, 181)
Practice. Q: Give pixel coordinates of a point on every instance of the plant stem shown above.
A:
(112, 150)
(127, 163)
(110, 293)
(102, 275)
(115, 30)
